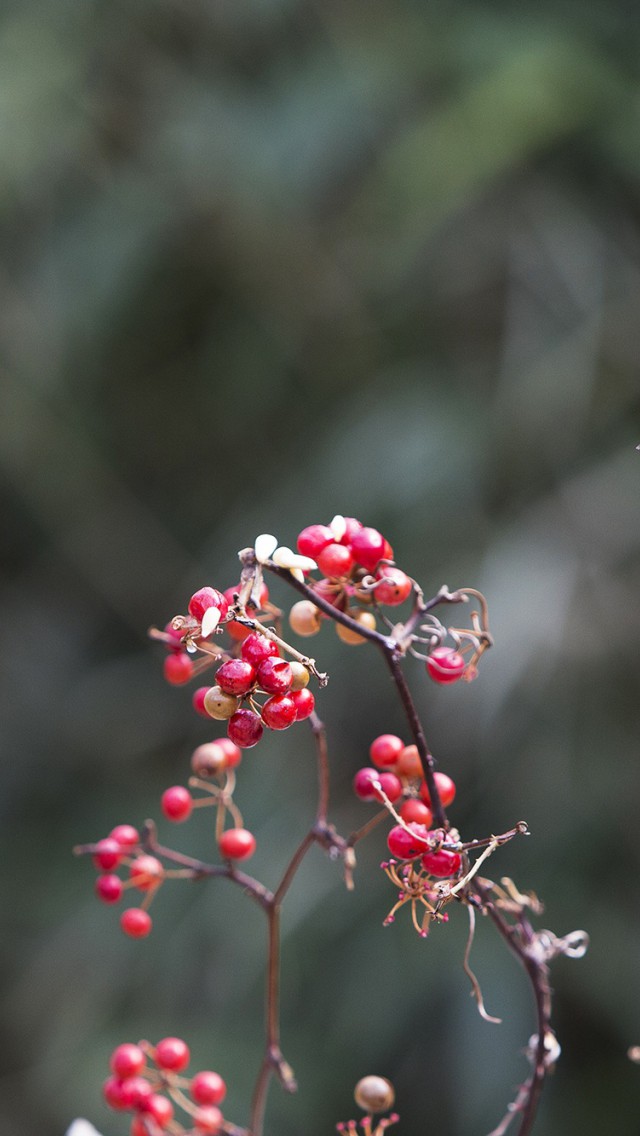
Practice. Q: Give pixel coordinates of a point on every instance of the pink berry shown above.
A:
(313, 539)
(178, 668)
(177, 803)
(279, 712)
(236, 677)
(208, 1121)
(394, 588)
(172, 1053)
(275, 675)
(445, 786)
(126, 835)
(364, 787)
(135, 1091)
(245, 728)
(442, 863)
(114, 1094)
(237, 844)
(160, 1108)
(108, 853)
(352, 526)
(145, 871)
(109, 888)
(445, 665)
(197, 700)
(174, 637)
(205, 598)
(208, 1087)
(127, 1060)
(335, 560)
(256, 648)
(407, 845)
(304, 703)
(231, 751)
(368, 548)
(385, 750)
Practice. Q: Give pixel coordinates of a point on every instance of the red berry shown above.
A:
(114, 1094)
(135, 1092)
(279, 712)
(177, 803)
(236, 676)
(385, 750)
(256, 648)
(197, 700)
(413, 810)
(313, 539)
(275, 675)
(363, 784)
(231, 751)
(172, 1053)
(368, 548)
(352, 526)
(237, 844)
(109, 888)
(127, 1060)
(145, 871)
(160, 1108)
(335, 560)
(407, 845)
(208, 1121)
(208, 1087)
(245, 728)
(107, 854)
(442, 863)
(304, 703)
(445, 665)
(205, 598)
(394, 587)
(140, 1127)
(445, 786)
(126, 835)
(178, 668)
(174, 635)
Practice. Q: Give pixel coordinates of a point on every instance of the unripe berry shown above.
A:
(407, 845)
(365, 618)
(109, 888)
(304, 618)
(442, 864)
(135, 922)
(177, 803)
(374, 1094)
(385, 750)
(208, 760)
(445, 786)
(235, 677)
(237, 844)
(445, 665)
(304, 703)
(172, 1053)
(220, 705)
(279, 712)
(208, 1087)
(394, 587)
(300, 675)
(275, 676)
(256, 648)
(178, 668)
(127, 1060)
(313, 539)
(245, 729)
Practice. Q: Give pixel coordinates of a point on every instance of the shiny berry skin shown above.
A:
(231, 751)
(205, 598)
(145, 871)
(160, 1108)
(135, 922)
(172, 1053)
(236, 676)
(417, 811)
(178, 668)
(108, 853)
(407, 845)
(177, 803)
(208, 760)
(304, 618)
(237, 844)
(335, 560)
(135, 1092)
(385, 750)
(245, 729)
(313, 539)
(368, 547)
(115, 1094)
(208, 1121)
(445, 665)
(279, 712)
(220, 705)
(256, 648)
(109, 888)
(275, 676)
(208, 1087)
(408, 763)
(445, 786)
(126, 835)
(304, 703)
(127, 1060)
(363, 784)
(300, 675)
(442, 864)
(394, 588)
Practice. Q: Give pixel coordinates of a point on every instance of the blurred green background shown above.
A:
(264, 262)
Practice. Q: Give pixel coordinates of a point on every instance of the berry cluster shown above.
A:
(149, 1080)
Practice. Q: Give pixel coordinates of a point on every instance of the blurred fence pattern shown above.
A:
(263, 262)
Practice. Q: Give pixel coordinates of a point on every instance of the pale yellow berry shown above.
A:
(374, 1094)
(365, 619)
(220, 705)
(304, 618)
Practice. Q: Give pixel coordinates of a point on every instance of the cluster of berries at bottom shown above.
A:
(149, 1081)
(395, 779)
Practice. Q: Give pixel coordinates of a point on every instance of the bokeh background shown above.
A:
(265, 261)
